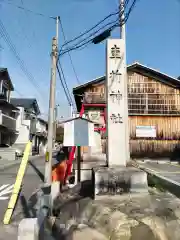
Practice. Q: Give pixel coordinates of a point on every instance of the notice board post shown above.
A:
(78, 132)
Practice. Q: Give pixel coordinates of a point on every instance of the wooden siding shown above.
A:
(166, 143)
(155, 149)
(145, 96)
(168, 128)
(151, 103)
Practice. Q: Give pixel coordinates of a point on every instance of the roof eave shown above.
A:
(171, 81)
(8, 77)
(76, 118)
(99, 79)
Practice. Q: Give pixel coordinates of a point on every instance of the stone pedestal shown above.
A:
(86, 169)
(118, 180)
(28, 229)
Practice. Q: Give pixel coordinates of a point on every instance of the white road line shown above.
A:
(7, 190)
(4, 186)
(4, 190)
(4, 198)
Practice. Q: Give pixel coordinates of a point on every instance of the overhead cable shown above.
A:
(64, 88)
(19, 60)
(85, 43)
(96, 25)
(27, 10)
(89, 41)
(75, 73)
(92, 28)
(65, 83)
(130, 9)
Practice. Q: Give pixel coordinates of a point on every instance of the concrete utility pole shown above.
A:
(55, 121)
(54, 55)
(123, 36)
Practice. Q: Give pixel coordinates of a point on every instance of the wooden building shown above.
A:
(153, 100)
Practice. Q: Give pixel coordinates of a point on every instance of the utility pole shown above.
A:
(54, 56)
(123, 36)
(55, 121)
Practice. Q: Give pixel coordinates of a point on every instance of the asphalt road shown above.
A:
(33, 178)
(170, 171)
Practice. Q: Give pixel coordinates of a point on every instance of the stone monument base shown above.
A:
(114, 181)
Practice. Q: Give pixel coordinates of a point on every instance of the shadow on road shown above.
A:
(27, 208)
(40, 174)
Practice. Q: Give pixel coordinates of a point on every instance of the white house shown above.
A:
(28, 116)
(17, 116)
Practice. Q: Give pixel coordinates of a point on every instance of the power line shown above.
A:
(112, 23)
(27, 39)
(27, 10)
(64, 79)
(21, 63)
(75, 73)
(87, 42)
(20, 94)
(130, 9)
(66, 94)
(92, 28)
(98, 30)
(96, 25)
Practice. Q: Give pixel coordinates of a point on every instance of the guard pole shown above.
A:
(18, 183)
(79, 164)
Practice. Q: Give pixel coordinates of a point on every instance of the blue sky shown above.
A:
(153, 39)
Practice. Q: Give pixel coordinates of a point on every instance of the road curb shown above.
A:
(167, 183)
(158, 161)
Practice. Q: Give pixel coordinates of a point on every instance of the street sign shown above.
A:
(95, 116)
(146, 131)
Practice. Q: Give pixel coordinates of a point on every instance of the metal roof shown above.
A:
(139, 68)
(5, 103)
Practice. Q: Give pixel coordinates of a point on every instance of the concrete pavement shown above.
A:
(33, 178)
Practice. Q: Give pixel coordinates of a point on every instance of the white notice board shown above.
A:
(146, 131)
(78, 132)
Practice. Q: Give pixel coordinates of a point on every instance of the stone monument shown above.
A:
(117, 178)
